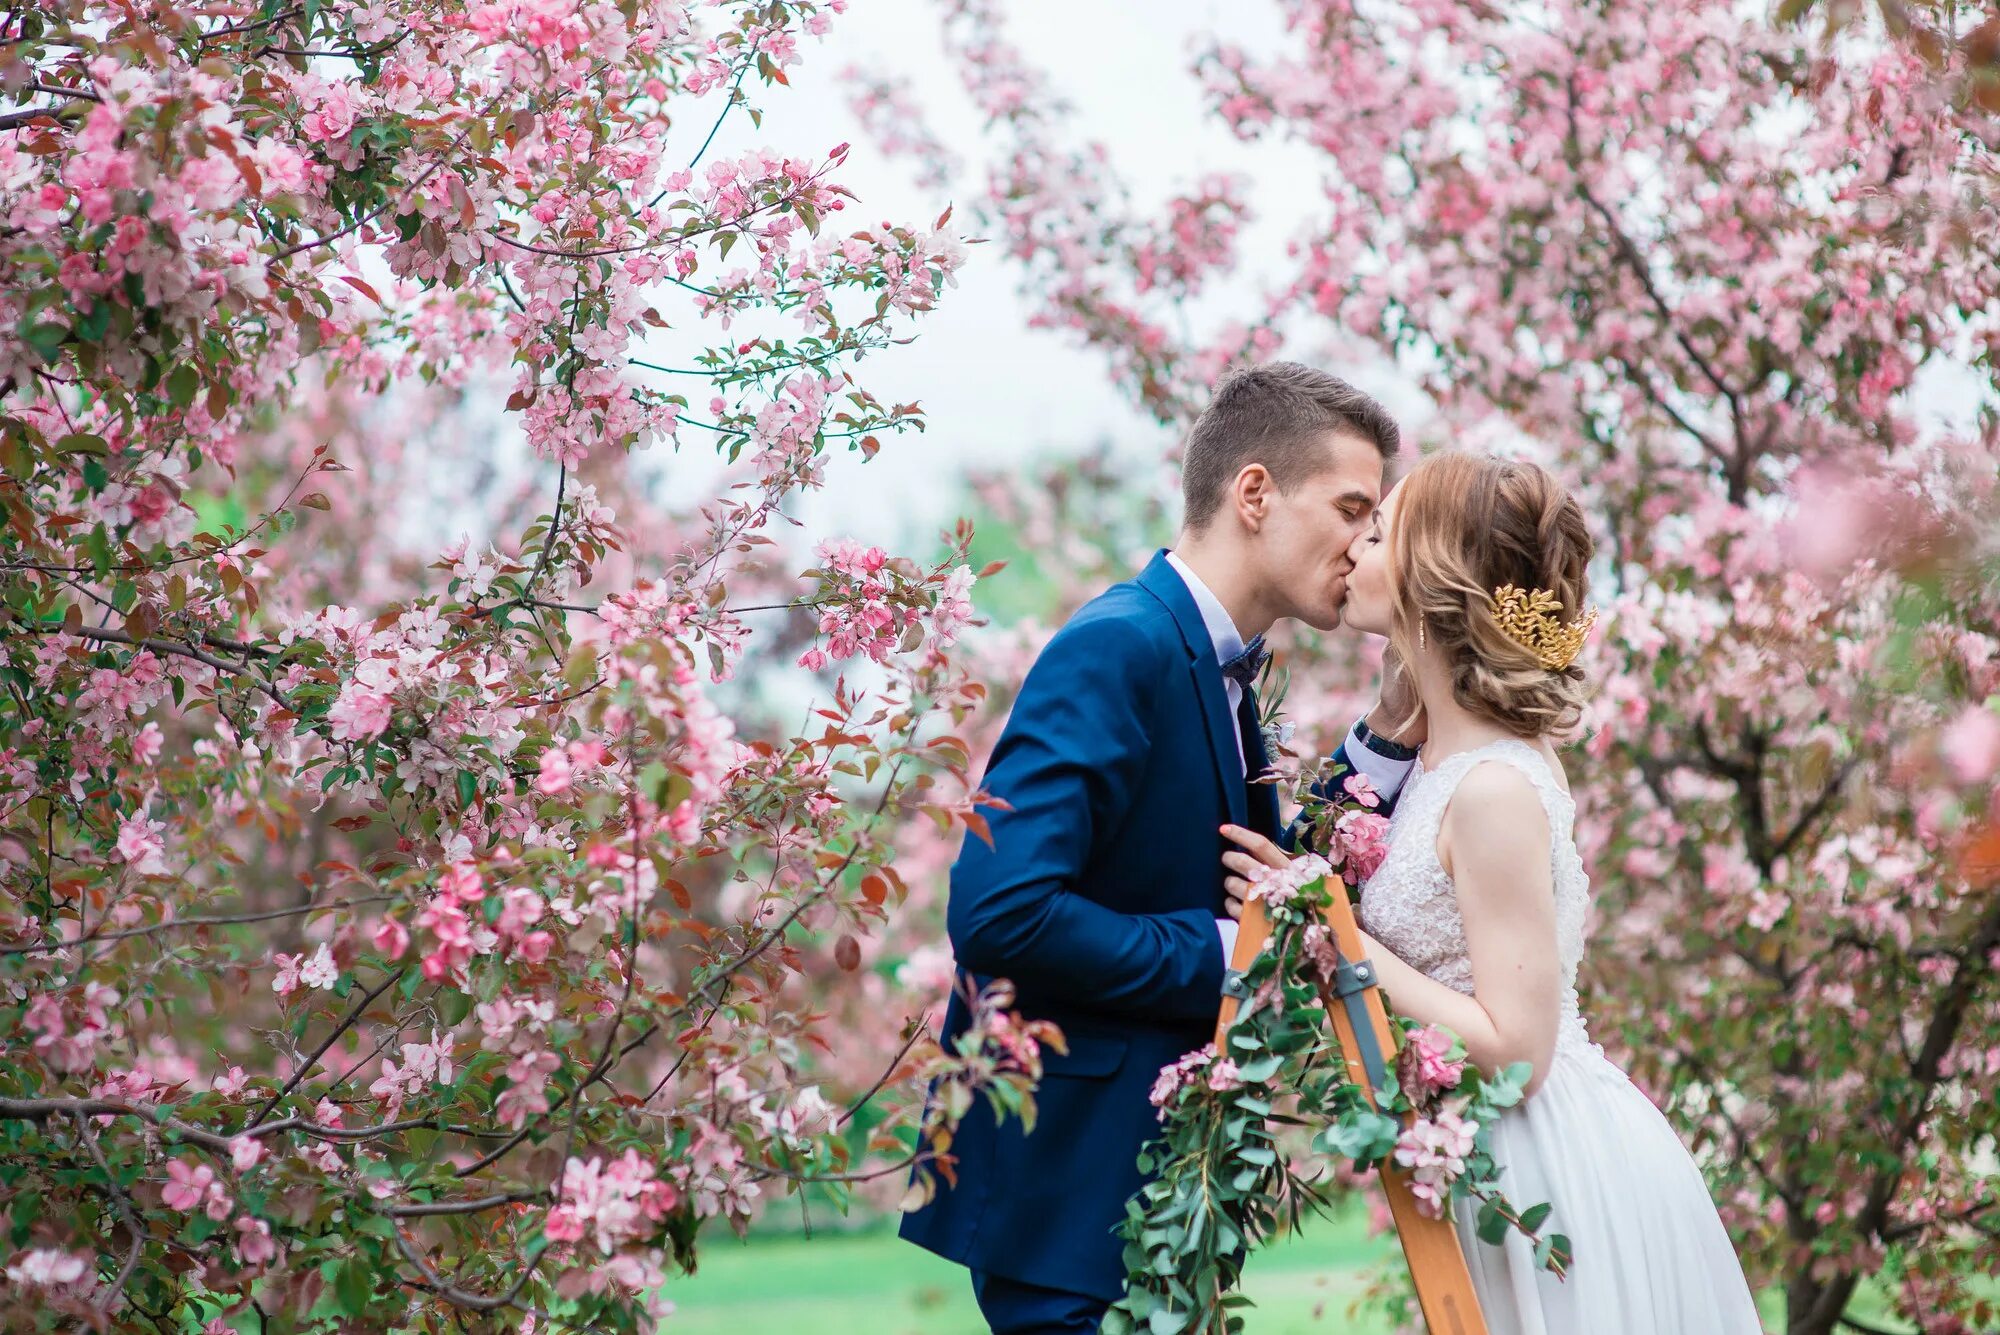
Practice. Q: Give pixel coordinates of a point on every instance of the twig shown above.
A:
(175, 647)
(124, 1204)
(425, 1208)
(305, 1067)
(213, 920)
(917, 1031)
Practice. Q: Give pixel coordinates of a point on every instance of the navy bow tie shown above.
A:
(1244, 668)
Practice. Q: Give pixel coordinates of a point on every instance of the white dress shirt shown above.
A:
(1222, 633)
(1385, 774)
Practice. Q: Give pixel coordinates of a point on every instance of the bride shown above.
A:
(1475, 918)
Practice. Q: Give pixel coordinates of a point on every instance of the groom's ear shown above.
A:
(1252, 493)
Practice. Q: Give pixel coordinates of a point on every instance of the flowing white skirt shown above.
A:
(1650, 1253)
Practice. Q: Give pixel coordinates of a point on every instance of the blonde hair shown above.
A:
(1467, 524)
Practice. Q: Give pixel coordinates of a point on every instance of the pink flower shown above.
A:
(139, 843)
(334, 114)
(146, 745)
(245, 1152)
(391, 938)
(617, 1202)
(46, 1268)
(1360, 840)
(1972, 745)
(1435, 1150)
(320, 970)
(254, 1245)
(929, 971)
(287, 980)
(1174, 1076)
(1427, 1062)
(192, 1185)
(185, 1185)
(359, 714)
(555, 772)
(1223, 1077)
(1280, 885)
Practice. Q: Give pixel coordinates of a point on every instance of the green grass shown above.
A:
(874, 1283)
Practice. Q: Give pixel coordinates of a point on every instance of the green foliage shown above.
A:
(1226, 1182)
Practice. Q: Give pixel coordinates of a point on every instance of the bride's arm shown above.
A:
(1494, 842)
(1506, 897)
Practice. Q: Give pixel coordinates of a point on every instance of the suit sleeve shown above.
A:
(1387, 774)
(1068, 766)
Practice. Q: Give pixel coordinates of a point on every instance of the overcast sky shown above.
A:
(995, 391)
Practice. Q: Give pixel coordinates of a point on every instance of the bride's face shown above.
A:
(1371, 589)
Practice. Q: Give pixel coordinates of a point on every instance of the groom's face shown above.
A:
(1304, 537)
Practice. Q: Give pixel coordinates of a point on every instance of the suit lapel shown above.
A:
(1164, 583)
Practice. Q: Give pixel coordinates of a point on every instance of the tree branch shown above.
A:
(305, 1067)
(124, 1204)
(175, 647)
(211, 920)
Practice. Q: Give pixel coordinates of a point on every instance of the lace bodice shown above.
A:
(1411, 906)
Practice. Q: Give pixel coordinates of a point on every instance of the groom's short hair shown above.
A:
(1277, 415)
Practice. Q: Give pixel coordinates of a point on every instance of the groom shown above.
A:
(1132, 741)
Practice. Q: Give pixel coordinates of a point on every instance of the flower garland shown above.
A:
(1224, 1182)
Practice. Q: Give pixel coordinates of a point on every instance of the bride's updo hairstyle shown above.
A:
(1466, 525)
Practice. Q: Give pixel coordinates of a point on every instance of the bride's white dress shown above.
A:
(1651, 1256)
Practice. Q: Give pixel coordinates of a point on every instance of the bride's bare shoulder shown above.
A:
(1494, 808)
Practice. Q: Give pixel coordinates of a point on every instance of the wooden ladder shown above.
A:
(1437, 1264)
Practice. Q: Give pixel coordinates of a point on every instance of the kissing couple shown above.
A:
(1134, 823)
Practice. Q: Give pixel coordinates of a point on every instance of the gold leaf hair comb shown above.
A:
(1530, 620)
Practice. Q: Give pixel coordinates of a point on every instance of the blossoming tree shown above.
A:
(398, 944)
(1704, 263)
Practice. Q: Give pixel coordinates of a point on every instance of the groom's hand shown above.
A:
(1240, 866)
(1398, 704)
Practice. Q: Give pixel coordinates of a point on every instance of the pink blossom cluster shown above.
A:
(896, 123)
(1279, 886)
(1358, 842)
(562, 766)
(317, 970)
(458, 930)
(70, 1027)
(1014, 1045)
(1178, 1075)
(1198, 238)
(193, 1186)
(517, 1027)
(611, 1203)
(713, 1174)
(1434, 1151)
(423, 1065)
(51, 1268)
(1426, 1063)
(860, 617)
(930, 971)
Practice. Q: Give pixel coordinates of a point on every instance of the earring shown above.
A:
(1421, 645)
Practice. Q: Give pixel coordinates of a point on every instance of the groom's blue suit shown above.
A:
(1098, 897)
